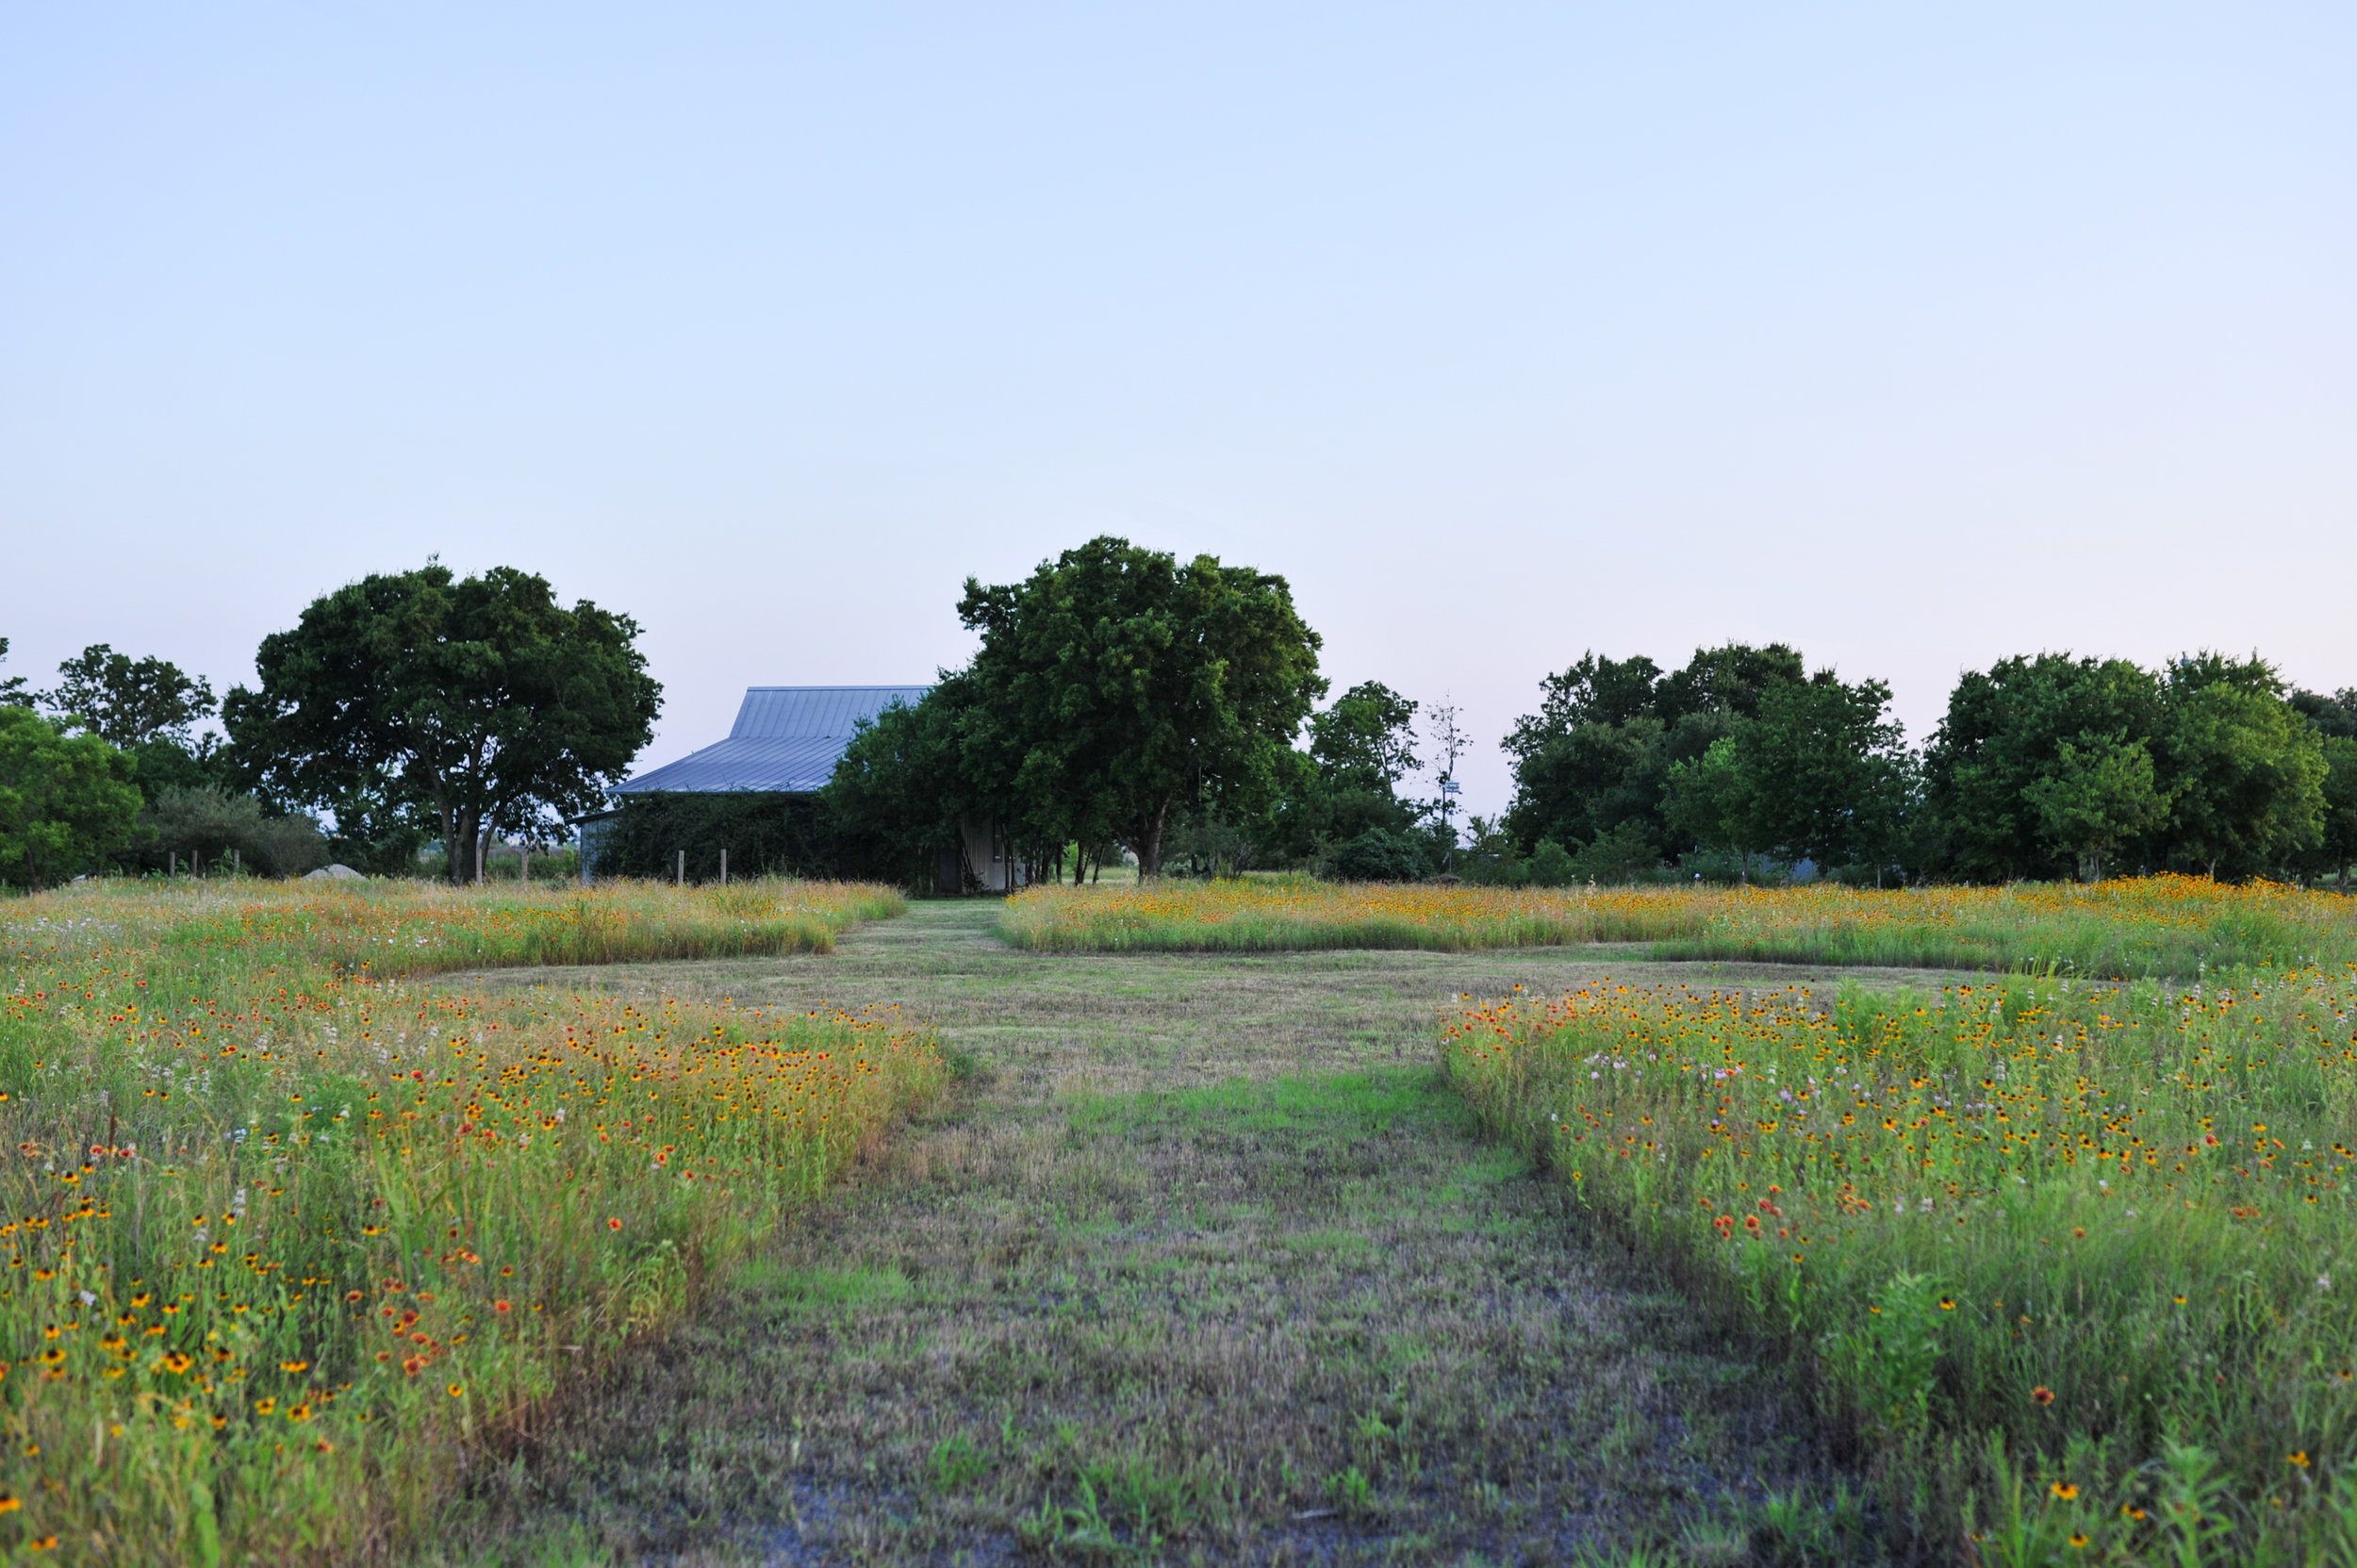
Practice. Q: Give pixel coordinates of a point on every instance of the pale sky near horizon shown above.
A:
(1912, 337)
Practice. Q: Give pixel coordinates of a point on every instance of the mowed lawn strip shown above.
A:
(1205, 1259)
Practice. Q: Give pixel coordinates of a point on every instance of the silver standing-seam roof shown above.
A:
(787, 739)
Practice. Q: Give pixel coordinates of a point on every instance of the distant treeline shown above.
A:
(1127, 704)
(1123, 701)
(2044, 767)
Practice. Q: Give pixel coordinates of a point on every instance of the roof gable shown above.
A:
(786, 739)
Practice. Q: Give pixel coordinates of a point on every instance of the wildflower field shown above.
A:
(291, 1241)
(2074, 1261)
(2131, 926)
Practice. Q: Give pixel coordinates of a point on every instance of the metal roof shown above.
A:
(786, 739)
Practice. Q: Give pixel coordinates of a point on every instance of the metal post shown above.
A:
(523, 865)
(679, 877)
(176, 864)
(478, 857)
(724, 866)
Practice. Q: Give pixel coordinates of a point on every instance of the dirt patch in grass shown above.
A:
(1203, 1263)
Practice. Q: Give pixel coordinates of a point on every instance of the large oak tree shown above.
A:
(1120, 683)
(481, 704)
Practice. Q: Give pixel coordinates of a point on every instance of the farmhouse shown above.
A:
(753, 798)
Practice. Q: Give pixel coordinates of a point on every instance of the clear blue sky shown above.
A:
(1913, 335)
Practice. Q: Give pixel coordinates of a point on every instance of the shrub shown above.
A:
(66, 801)
(204, 825)
(1379, 854)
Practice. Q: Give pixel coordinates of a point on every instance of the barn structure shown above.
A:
(764, 780)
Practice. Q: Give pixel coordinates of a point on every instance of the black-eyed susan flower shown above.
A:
(2064, 1490)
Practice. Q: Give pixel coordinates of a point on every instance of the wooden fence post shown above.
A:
(724, 866)
(679, 877)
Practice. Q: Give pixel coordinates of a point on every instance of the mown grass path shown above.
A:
(1202, 1263)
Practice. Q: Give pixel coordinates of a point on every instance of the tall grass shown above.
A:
(2075, 1261)
(291, 1241)
(2139, 926)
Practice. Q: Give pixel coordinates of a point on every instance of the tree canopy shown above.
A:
(126, 702)
(13, 692)
(2244, 773)
(478, 705)
(1114, 688)
(1595, 760)
(66, 801)
(1118, 683)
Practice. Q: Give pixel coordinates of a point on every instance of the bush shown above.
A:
(204, 825)
(1552, 866)
(1622, 856)
(1379, 855)
(66, 801)
(765, 835)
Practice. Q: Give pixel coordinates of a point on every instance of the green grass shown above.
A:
(291, 1242)
(2149, 926)
(2071, 1260)
(1202, 1262)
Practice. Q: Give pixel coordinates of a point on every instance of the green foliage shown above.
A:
(2049, 767)
(2245, 774)
(904, 785)
(1619, 855)
(1552, 866)
(1366, 740)
(1118, 684)
(168, 763)
(475, 705)
(765, 835)
(127, 701)
(1346, 785)
(1826, 775)
(1609, 735)
(66, 801)
(2336, 838)
(1116, 692)
(2333, 716)
(1709, 801)
(201, 826)
(2100, 794)
(1379, 855)
(13, 692)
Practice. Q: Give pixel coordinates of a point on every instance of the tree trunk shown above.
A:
(1150, 842)
(467, 826)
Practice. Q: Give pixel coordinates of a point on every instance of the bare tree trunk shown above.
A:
(1150, 842)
